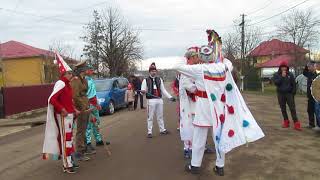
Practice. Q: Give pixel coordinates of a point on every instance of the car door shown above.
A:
(123, 83)
(116, 93)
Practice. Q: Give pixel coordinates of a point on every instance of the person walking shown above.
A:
(58, 141)
(80, 88)
(136, 82)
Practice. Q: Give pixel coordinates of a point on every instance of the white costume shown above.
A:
(224, 110)
(155, 104)
(187, 110)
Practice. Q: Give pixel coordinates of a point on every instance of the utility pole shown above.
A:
(242, 49)
(309, 52)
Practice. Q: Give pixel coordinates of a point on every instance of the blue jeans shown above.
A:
(317, 111)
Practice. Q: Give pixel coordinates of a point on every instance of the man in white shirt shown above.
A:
(187, 89)
(154, 88)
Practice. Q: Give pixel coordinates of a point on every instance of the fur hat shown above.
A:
(152, 67)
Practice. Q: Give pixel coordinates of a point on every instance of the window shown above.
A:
(123, 83)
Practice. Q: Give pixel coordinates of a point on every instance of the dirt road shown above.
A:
(283, 154)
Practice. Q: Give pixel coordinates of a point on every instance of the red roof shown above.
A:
(14, 49)
(276, 47)
(275, 62)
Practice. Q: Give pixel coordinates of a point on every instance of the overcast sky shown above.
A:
(168, 27)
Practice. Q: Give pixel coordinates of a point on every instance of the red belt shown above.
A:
(202, 94)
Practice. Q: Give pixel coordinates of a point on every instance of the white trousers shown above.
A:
(155, 108)
(199, 145)
(66, 135)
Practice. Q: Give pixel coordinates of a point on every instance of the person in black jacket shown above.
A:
(286, 89)
(137, 87)
(310, 73)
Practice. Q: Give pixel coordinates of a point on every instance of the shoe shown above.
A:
(108, 142)
(165, 132)
(89, 150)
(316, 129)
(219, 171)
(286, 124)
(297, 126)
(186, 154)
(99, 143)
(81, 157)
(70, 170)
(309, 126)
(75, 166)
(192, 169)
(149, 136)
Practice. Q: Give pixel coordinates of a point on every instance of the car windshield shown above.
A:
(103, 85)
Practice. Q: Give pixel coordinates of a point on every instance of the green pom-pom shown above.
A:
(213, 97)
(229, 87)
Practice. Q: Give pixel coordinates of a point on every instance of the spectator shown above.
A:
(310, 72)
(130, 96)
(137, 88)
(317, 104)
(286, 90)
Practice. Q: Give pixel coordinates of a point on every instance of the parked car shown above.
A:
(111, 94)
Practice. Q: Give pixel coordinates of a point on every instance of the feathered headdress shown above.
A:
(215, 42)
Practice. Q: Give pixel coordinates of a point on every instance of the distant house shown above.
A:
(22, 64)
(269, 55)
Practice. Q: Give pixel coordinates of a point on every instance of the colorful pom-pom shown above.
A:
(231, 133)
(229, 87)
(223, 98)
(231, 109)
(217, 138)
(222, 118)
(245, 123)
(213, 97)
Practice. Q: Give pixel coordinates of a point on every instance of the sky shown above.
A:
(167, 27)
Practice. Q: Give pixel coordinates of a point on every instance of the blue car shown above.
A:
(111, 94)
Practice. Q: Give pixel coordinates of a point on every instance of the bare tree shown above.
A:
(232, 40)
(118, 45)
(62, 48)
(300, 28)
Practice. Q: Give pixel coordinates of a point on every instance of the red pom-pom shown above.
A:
(223, 98)
(231, 133)
(231, 109)
(222, 118)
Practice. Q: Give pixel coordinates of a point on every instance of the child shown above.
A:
(129, 97)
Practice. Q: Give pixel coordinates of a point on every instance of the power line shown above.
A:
(264, 7)
(279, 13)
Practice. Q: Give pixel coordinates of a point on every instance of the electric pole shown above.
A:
(242, 50)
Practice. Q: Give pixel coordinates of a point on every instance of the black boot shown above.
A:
(192, 169)
(99, 143)
(219, 171)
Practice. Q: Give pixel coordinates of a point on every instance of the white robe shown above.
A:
(51, 144)
(187, 107)
(239, 127)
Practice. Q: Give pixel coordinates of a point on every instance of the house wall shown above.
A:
(23, 71)
(263, 59)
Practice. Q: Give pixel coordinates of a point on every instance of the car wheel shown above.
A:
(111, 108)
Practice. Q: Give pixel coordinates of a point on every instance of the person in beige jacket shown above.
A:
(129, 97)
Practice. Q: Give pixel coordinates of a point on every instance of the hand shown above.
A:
(77, 112)
(64, 112)
(284, 73)
(173, 99)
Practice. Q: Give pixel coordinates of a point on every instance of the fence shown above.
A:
(25, 98)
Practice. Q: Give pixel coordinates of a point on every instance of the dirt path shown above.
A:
(283, 154)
